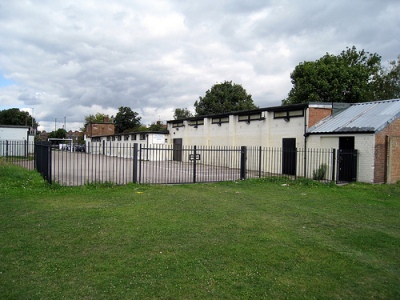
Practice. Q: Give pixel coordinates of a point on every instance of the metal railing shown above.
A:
(122, 163)
(18, 152)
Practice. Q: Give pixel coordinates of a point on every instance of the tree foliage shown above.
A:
(14, 116)
(182, 113)
(126, 120)
(352, 76)
(388, 84)
(224, 97)
(97, 118)
(156, 126)
(60, 133)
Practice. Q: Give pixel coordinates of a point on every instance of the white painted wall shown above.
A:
(266, 133)
(13, 141)
(8, 133)
(119, 146)
(364, 143)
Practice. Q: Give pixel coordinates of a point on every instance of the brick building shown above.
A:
(99, 128)
(371, 128)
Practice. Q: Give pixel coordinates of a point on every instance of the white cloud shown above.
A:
(74, 58)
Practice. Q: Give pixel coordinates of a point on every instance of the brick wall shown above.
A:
(316, 114)
(394, 159)
(95, 129)
(381, 153)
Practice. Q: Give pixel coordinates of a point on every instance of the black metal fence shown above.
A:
(43, 161)
(121, 163)
(18, 152)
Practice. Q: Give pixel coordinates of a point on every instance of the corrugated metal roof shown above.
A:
(360, 117)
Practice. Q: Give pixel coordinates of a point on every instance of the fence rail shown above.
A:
(122, 163)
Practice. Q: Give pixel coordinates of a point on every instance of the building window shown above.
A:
(250, 117)
(196, 123)
(142, 136)
(119, 138)
(133, 137)
(219, 121)
(177, 124)
(126, 137)
(288, 114)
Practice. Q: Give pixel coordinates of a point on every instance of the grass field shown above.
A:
(255, 239)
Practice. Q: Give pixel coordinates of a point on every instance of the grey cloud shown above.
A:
(155, 56)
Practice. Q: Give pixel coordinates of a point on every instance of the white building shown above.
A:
(15, 140)
(281, 126)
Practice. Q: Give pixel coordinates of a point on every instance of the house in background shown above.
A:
(75, 136)
(373, 129)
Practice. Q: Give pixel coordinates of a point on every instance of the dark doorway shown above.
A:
(347, 160)
(289, 155)
(177, 150)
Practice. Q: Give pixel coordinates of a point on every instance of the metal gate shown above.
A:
(43, 160)
(160, 164)
(347, 165)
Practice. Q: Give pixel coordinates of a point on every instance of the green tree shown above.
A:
(182, 113)
(387, 86)
(14, 116)
(97, 118)
(349, 77)
(60, 133)
(126, 120)
(157, 126)
(224, 97)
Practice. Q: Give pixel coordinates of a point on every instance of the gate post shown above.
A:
(135, 162)
(243, 155)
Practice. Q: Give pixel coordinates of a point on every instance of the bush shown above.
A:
(319, 174)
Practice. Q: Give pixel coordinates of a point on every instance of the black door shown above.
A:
(289, 156)
(177, 150)
(347, 159)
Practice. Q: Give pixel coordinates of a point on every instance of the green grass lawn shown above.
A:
(255, 239)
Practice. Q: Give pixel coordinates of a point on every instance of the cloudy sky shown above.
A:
(63, 60)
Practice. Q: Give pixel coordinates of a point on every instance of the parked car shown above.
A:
(79, 148)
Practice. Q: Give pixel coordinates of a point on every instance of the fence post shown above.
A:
(6, 150)
(135, 162)
(49, 164)
(259, 161)
(333, 164)
(305, 162)
(194, 163)
(243, 155)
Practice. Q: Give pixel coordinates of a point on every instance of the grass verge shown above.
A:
(258, 239)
